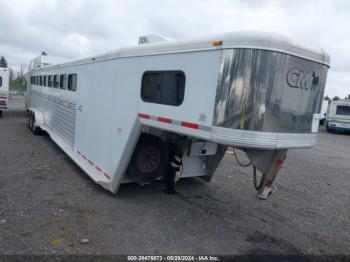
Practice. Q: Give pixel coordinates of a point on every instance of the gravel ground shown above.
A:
(48, 205)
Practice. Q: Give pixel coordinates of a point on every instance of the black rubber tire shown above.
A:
(0, 113)
(35, 129)
(30, 120)
(148, 146)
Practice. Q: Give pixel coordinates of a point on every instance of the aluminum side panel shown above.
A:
(267, 91)
(59, 113)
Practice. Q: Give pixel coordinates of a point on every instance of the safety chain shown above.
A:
(257, 187)
(255, 182)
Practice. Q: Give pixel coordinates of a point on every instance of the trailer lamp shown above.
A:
(217, 42)
(3, 103)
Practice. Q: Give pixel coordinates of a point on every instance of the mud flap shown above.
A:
(268, 162)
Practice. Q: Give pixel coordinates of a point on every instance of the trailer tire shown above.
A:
(150, 159)
(0, 113)
(30, 123)
(35, 129)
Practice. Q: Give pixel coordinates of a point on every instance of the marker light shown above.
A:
(217, 42)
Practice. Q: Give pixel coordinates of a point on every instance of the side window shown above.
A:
(150, 87)
(50, 80)
(0, 81)
(63, 82)
(163, 87)
(72, 82)
(343, 110)
(56, 81)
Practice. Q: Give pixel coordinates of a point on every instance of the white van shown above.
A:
(4, 88)
(338, 116)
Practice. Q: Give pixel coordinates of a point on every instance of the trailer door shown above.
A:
(94, 114)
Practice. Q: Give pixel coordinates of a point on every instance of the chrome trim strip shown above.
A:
(241, 138)
(263, 140)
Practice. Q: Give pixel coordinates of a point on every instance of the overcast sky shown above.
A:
(78, 28)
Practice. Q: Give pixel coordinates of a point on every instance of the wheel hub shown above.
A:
(148, 159)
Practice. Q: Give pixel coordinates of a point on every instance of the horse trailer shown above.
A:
(122, 116)
(338, 116)
(4, 88)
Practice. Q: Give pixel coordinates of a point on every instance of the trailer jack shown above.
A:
(175, 169)
(268, 162)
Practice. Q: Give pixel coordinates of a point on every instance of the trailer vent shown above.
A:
(148, 39)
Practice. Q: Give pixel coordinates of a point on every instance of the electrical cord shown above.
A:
(239, 162)
(257, 185)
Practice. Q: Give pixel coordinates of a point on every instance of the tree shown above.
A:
(17, 83)
(3, 62)
(348, 97)
(327, 98)
(12, 75)
(336, 98)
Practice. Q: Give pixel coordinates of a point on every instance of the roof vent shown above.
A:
(148, 39)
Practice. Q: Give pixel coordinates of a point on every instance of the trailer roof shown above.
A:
(341, 102)
(239, 39)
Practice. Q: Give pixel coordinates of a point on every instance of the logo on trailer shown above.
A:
(302, 79)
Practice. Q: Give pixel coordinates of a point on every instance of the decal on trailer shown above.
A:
(173, 122)
(302, 79)
(94, 165)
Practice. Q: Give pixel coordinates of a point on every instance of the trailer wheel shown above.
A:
(149, 160)
(35, 129)
(30, 121)
(0, 113)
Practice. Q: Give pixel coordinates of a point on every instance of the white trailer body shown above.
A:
(338, 116)
(4, 88)
(255, 91)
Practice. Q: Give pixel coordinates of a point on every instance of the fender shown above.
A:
(39, 116)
